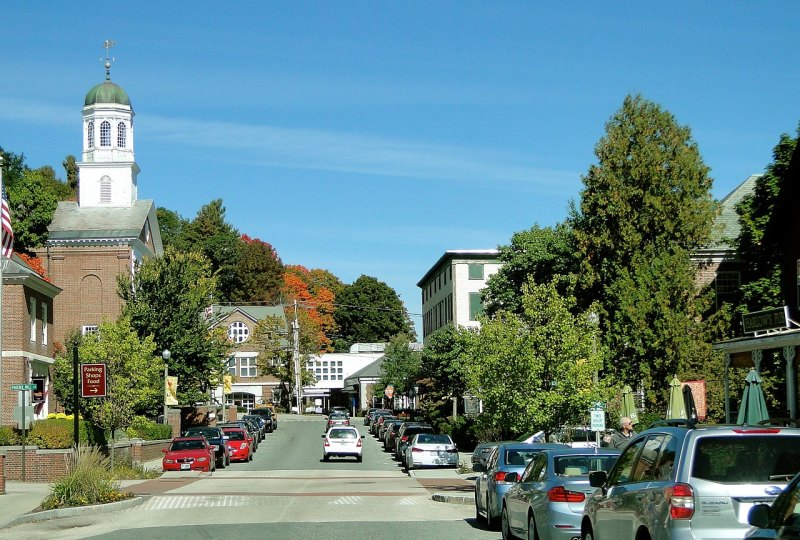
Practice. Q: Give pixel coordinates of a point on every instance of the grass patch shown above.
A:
(88, 481)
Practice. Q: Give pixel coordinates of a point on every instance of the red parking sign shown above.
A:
(93, 380)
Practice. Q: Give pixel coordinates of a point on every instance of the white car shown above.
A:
(429, 450)
(342, 441)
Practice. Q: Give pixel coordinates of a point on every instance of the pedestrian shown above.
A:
(623, 436)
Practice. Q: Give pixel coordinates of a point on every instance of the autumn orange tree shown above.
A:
(314, 292)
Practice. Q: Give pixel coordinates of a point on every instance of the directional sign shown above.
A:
(93, 380)
(23, 387)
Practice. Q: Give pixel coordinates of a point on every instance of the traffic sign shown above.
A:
(23, 387)
(598, 418)
(93, 380)
(389, 391)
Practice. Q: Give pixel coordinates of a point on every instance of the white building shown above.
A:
(451, 289)
(332, 369)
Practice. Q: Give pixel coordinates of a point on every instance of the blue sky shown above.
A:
(370, 137)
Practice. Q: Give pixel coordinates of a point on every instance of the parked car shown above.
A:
(404, 436)
(268, 407)
(491, 484)
(240, 443)
(546, 500)
(188, 454)
(431, 450)
(216, 439)
(260, 422)
(380, 423)
(268, 416)
(336, 419)
(368, 415)
(255, 427)
(388, 428)
(781, 519)
(482, 452)
(575, 436)
(248, 427)
(342, 441)
(690, 482)
(376, 418)
(341, 409)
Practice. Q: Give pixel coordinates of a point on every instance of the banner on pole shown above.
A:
(171, 391)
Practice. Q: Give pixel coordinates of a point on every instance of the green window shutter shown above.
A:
(475, 271)
(475, 306)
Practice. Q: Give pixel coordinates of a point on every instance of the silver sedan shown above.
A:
(429, 450)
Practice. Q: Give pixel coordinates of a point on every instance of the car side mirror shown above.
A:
(164, 450)
(512, 477)
(323, 435)
(597, 478)
(362, 436)
(759, 516)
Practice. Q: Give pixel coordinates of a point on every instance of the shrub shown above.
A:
(8, 436)
(142, 428)
(58, 433)
(88, 481)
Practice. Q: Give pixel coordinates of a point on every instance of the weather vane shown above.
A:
(107, 44)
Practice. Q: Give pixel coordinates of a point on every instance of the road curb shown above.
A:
(453, 499)
(77, 511)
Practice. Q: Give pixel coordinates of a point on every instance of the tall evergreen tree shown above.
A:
(644, 207)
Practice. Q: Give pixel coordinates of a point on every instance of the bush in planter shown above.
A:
(88, 481)
(8, 436)
(143, 428)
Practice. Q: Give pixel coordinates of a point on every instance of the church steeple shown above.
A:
(107, 175)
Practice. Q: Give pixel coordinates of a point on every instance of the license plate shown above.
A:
(444, 454)
(185, 466)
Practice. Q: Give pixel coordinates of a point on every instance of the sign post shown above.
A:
(23, 423)
(598, 422)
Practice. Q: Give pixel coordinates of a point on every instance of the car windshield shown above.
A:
(235, 435)
(582, 465)
(746, 459)
(207, 433)
(187, 445)
(429, 438)
(520, 457)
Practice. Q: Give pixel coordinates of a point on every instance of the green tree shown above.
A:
(259, 276)
(539, 253)
(764, 218)
(644, 208)
(32, 200)
(171, 225)
(400, 367)
(534, 370)
(209, 234)
(369, 311)
(13, 167)
(134, 367)
(71, 168)
(165, 299)
(441, 374)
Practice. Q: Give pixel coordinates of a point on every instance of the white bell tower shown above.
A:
(107, 175)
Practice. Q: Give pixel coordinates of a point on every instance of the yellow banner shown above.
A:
(226, 384)
(171, 391)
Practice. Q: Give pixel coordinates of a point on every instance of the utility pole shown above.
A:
(296, 359)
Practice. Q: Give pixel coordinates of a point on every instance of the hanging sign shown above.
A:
(93, 380)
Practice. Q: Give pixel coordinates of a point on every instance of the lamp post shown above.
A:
(594, 320)
(166, 356)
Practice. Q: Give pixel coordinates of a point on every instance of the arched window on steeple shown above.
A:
(90, 135)
(105, 134)
(105, 190)
(121, 135)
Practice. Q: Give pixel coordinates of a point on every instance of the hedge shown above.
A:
(142, 428)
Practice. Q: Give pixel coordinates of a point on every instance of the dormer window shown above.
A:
(122, 133)
(105, 190)
(238, 332)
(105, 134)
(90, 135)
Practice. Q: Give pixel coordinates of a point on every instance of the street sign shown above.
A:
(389, 391)
(93, 380)
(23, 415)
(598, 420)
(23, 387)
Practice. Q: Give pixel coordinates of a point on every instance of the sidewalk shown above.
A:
(21, 498)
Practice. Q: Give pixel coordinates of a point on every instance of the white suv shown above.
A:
(342, 441)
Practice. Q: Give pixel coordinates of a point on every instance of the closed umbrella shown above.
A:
(677, 406)
(754, 407)
(688, 400)
(628, 405)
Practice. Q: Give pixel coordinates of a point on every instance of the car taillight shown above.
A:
(415, 449)
(404, 438)
(500, 477)
(327, 442)
(560, 494)
(358, 443)
(681, 501)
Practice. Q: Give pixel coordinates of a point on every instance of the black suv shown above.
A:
(216, 439)
(267, 415)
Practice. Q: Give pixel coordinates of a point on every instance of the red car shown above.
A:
(240, 444)
(189, 454)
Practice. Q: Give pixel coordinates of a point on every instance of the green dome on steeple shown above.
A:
(107, 92)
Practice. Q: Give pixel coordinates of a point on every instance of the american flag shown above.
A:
(7, 248)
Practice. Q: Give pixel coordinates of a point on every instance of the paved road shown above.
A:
(286, 491)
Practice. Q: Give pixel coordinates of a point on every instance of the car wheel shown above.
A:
(358, 459)
(326, 457)
(532, 534)
(587, 534)
(504, 526)
(491, 522)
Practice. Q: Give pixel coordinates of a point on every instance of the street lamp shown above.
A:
(166, 356)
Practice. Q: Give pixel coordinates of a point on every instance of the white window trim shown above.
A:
(44, 323)
(32, 311)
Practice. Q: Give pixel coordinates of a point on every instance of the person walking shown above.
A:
(623, 436)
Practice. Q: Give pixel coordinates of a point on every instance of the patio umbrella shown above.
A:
(628, 406)
(677, 407)
(753, 408)
(688, 400)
